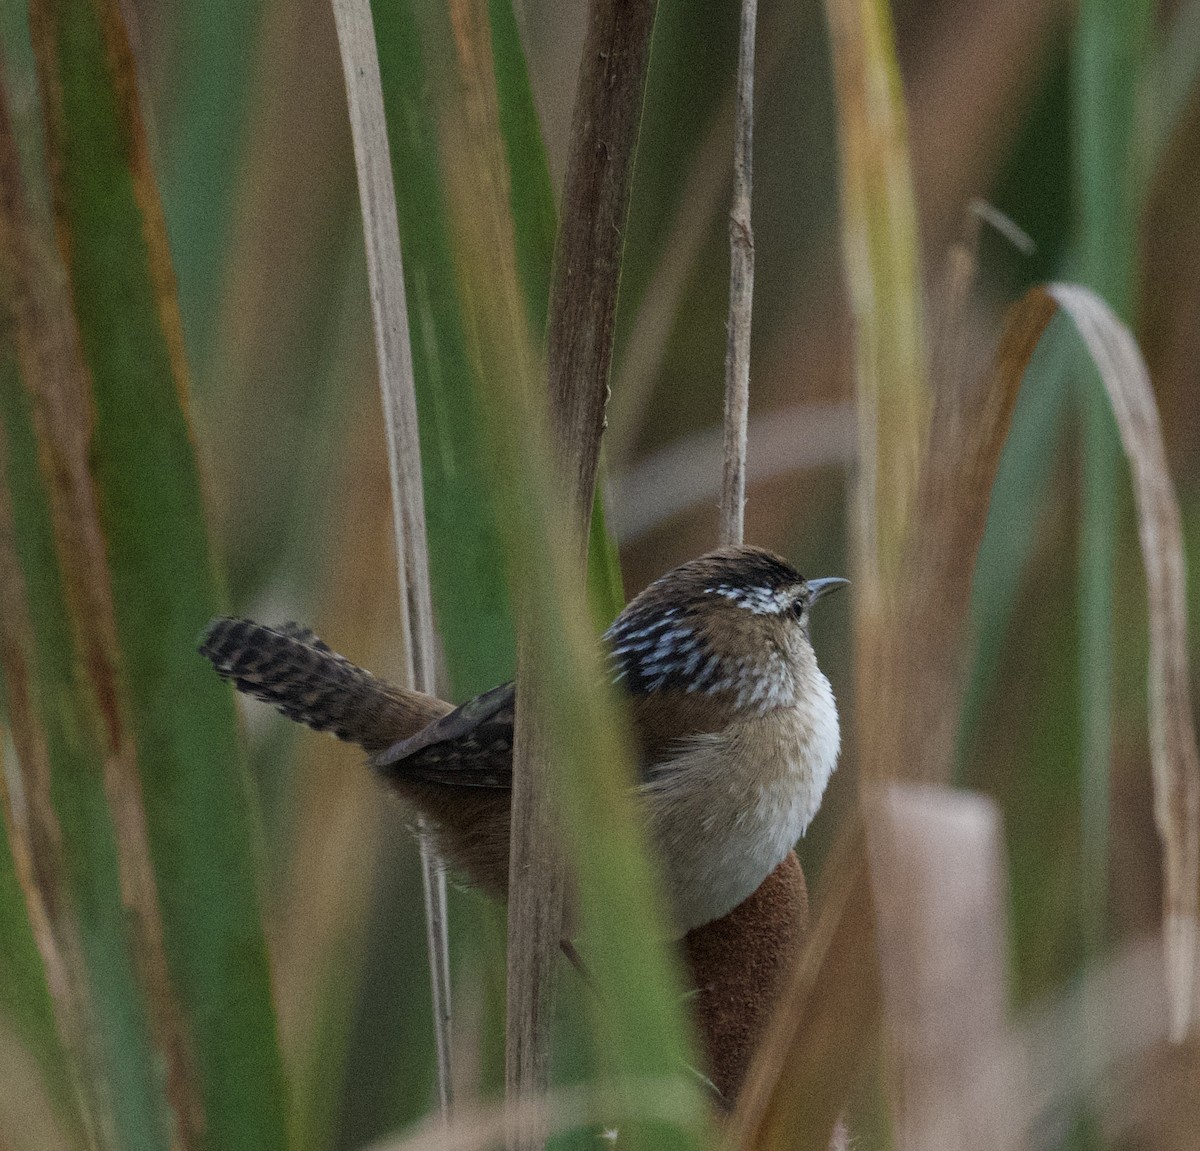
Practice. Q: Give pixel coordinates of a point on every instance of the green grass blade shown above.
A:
(1023, 476)
(203, 134)
(24, 999)
(473, 616)
(893, 397)
(879, 243)
(1110, 42)
(24, 996)
(99, 1012)
(149, 514)
(606, 588)
(640, 1035)
(529, 191)
(466, 557)
(60, 827)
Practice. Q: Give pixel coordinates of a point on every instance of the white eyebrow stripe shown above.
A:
(759, 600)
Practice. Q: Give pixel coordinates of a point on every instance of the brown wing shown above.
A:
(470, 747)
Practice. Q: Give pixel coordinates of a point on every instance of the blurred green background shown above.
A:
(1081, 124)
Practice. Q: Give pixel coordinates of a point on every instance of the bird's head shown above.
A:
(729, 629)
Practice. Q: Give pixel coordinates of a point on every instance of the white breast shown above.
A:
(733, 804)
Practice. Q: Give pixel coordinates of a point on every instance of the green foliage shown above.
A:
(162, 715)
(284, 413)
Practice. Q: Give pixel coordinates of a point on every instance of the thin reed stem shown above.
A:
(385, 269)
(741, 290)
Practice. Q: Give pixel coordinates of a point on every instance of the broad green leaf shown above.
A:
(156, 591)
(474, 619)
(469, 583)
(24, 996)
(473, 616)
(58, 806)
(203, 139)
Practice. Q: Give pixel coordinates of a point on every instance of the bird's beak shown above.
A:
(817, 588)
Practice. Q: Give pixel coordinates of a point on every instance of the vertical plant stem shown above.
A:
(642, 1039)
(741, 289)
(587, 260)
(583, 300)
(360, 64)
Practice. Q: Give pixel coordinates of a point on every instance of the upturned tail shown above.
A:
(290, 668)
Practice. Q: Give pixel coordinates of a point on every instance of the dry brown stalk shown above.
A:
(397, 386)
(583, 300)
(587, 259)
(741, 289)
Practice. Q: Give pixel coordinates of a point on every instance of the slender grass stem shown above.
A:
(741, 289)
(360, 64)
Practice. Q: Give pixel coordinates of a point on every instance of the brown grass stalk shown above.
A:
(385, 269)
(583, 299)
(741, 289)
(587, 259)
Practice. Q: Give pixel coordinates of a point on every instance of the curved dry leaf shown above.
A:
(1173, 754)
(804, 1070)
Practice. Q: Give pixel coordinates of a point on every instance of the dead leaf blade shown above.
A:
(1174, 761)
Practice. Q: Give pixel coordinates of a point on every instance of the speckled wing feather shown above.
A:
(470, 747)
(290, 668)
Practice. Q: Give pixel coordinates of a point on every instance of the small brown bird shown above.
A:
(737, 728)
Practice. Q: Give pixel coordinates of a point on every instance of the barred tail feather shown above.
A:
(290, 668)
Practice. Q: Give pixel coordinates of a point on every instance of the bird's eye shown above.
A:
(798, 606)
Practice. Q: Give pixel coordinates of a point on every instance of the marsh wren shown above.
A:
(735, 724)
